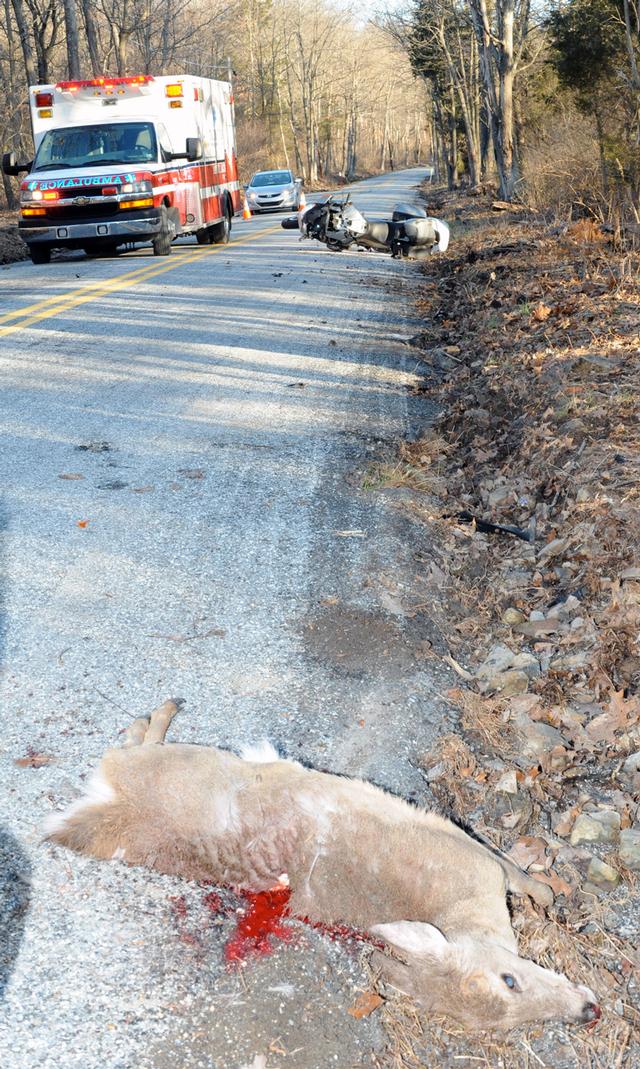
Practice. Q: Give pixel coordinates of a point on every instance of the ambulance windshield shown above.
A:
(97, 146)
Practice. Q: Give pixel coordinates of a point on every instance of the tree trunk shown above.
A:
(92, 38)
(73, 47)
(25, 42)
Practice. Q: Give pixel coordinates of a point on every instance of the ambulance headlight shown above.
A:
(26, 195)
(143, 186)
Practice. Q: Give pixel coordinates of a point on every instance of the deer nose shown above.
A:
(591, 1013)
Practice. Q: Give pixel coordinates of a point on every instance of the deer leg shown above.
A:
(519, 883)
(135, 733)
(160, 720)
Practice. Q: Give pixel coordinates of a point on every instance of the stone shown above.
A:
(497, 660)
(509, 683)
(538, 738)
(512, 617)
(602, 875)
(630, 848)
(500, 496)
(602, 826)
(508, 783)
(507, 672)
(632, 764)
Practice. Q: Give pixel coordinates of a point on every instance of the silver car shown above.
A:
(269, 191)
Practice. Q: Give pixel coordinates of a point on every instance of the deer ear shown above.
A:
(413, 937)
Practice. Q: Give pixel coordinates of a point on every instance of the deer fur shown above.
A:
(353, 854)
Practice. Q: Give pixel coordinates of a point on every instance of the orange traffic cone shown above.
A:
(246, 211)
(302, 203)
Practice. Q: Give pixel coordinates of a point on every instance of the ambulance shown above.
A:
(120, 161)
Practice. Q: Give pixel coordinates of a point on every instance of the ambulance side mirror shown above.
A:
(194, 148)
(11, 166)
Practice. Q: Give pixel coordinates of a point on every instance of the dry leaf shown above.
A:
(34, 760)
(555, 882)
(567, 820)
(621, 714)
(541, 312)
(529, 850)
(71, 476)
(82, 523)
(365, 1004)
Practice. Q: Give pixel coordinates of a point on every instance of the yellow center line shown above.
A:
(64, 302)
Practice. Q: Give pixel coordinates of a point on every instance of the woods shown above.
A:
(316, 87)
(542, 101)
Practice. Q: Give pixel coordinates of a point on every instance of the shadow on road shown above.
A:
(15, 874)
(15, 869)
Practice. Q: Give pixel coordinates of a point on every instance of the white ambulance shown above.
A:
(120, 161)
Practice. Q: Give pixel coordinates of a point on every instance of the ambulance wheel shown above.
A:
(203, 237)
(221, 232)
(162, 240)
(40, 254)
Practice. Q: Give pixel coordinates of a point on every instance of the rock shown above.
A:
(576, 428)
(508, 783)
(497, 660)
(512, 617)
(553, 549)
(507, 672)
(537, 738)
(510, 683)
(510, 810)
(602, 875)
(630, 848)
(500, 496)
(632, 764)
(598, 827)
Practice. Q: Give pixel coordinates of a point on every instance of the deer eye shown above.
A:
(511, 981)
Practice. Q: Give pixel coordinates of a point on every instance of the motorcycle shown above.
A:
(410, 234)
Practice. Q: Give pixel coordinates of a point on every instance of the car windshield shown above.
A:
(271, 178)
(106, 144)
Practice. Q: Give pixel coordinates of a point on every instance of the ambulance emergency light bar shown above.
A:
(104, 83)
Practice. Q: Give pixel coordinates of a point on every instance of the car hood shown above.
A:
(280, 188)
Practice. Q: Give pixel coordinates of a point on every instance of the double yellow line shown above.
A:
(27, 316)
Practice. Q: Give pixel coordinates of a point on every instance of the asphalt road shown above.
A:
(186, 451)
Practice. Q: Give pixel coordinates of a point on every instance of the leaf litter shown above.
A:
(531, 360)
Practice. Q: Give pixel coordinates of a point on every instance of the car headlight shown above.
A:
(251, 194)
(143, 186)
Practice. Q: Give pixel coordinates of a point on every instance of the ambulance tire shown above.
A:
(40, 254)
(162, 240)
(221, 232)
(204, 236)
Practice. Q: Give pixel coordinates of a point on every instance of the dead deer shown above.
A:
(353, 854)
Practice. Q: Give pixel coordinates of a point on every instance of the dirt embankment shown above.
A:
(530, 348)
(12, 247)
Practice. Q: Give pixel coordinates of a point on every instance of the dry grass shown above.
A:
(541, 404)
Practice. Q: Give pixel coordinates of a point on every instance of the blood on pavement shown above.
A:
(259, 924)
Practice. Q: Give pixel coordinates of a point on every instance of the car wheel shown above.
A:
(221, 232)
(162, 240)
